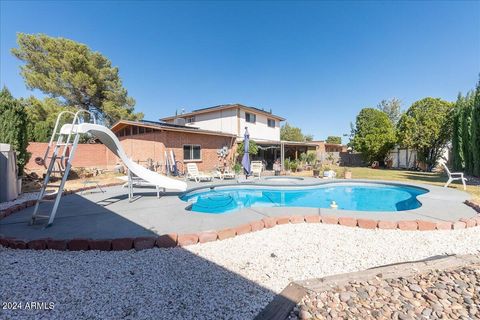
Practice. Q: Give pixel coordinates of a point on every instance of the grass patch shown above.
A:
(437, 179)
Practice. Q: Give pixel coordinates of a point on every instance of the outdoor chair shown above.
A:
(194, 174)
(256, 168)
(452, 176)
(329, 174)
(225, 174)
(137, 182)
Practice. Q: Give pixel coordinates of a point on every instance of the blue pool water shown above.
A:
(361, 197)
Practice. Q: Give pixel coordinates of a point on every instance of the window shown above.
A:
(141, 130)
(190, 120)
(271, 123)
(250, 117)
(191, 152)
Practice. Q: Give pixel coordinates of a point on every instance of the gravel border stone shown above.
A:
(438, 288)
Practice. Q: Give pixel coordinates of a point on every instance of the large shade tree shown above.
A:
(291, 133)
(80, 77)
(252, 148)
(393, 109)
(427, 128)
(42, 115)
(373, 135)
(334, 139)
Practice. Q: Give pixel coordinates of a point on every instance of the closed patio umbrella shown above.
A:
(246, 155)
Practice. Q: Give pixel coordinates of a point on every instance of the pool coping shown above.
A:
(185, 239)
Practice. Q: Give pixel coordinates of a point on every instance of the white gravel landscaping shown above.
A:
(24, 197)
(230, 279)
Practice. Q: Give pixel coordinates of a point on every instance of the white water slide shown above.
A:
(110, 140)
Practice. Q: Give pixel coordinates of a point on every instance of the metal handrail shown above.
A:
(57, 122)
(74, 122)
(60, 115)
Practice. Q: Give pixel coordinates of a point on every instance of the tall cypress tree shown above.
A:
(467, 133)
(457, 138)
(476, 132)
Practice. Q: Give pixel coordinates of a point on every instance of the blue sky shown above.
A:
(315, 63)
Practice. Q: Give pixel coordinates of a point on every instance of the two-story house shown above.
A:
(262, 125)
(200, 135)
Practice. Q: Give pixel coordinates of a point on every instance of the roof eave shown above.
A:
(223, 108)
(160, 127)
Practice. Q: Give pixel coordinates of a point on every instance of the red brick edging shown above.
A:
(474, 205)
(181, 240)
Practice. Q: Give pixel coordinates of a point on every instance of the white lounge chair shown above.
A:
(226, 174)
(194, 174)
(229, 174)
(256, 168)
(452, 176)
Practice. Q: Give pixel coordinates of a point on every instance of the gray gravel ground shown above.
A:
(21, 199)
(437, 294)
(230, 279)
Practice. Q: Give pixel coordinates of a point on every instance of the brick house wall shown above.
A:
(144, 147)
(152, 145)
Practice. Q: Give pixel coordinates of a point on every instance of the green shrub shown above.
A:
(303, 157)
(294, 165)
(311, 157)
(13, 127)
(237, 168)
(287, 164)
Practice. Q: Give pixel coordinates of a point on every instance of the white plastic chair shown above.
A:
(228, 174)
(194, 174)
(452, 176)
(256, 168)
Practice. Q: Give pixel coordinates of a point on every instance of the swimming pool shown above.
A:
(348, 196)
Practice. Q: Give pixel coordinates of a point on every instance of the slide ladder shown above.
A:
(64, 151)
(59, 162)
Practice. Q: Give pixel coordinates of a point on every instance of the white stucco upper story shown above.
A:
(262, 125)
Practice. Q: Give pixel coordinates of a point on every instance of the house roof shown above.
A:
(167, 127)
(280, 142)
(329, 144)
(224, 107)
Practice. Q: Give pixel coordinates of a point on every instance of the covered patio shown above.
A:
(270, 151)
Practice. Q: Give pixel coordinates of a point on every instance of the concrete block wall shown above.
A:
(86, 156)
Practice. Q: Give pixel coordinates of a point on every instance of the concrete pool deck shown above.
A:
(109, 215)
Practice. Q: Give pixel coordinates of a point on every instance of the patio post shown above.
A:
(282, 156)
